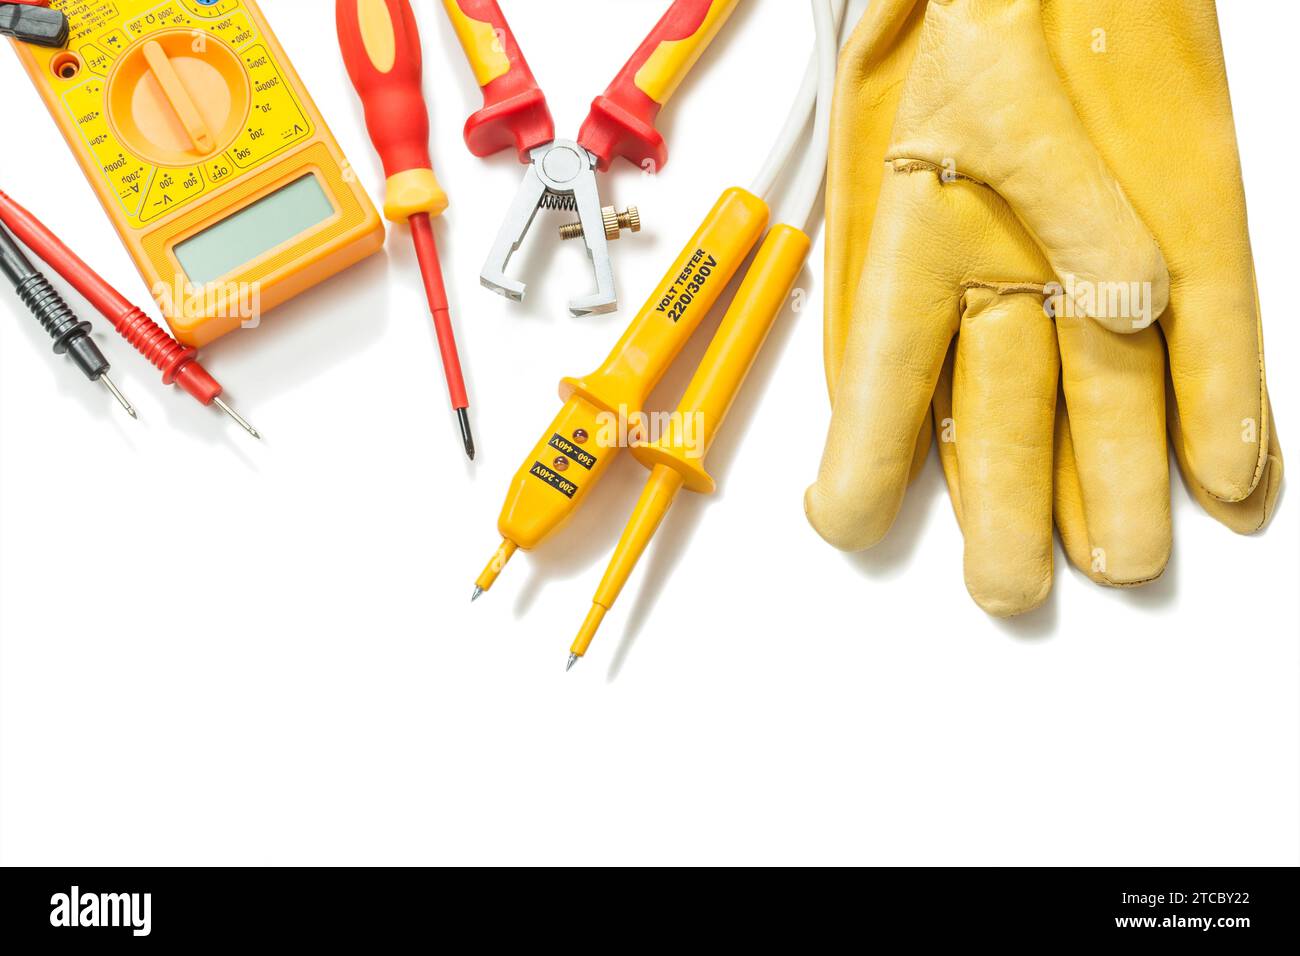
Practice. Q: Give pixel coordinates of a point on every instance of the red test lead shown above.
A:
(178, 363)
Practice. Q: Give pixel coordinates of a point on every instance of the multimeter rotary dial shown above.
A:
(178, 98)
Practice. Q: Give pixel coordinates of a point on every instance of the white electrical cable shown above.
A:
(806, 184)
(800, 112)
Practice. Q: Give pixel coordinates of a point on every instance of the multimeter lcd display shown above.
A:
(254, 230)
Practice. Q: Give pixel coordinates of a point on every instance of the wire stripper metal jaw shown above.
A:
(561, 172)
(561, 176)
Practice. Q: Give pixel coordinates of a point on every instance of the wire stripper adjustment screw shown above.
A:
(615, 223)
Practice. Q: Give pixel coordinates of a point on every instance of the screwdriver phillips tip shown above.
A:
(239, 419)
(117, 393)
(466, 435)
(573, 659)
(478, 593)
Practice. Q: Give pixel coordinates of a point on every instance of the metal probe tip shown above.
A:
(117, 393)
(466, 435)
(573, 659)
(239, 419)
(478, 593)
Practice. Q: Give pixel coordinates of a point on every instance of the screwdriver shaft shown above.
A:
(435, 289)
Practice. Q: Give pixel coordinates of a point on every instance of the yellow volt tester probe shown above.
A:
(574, 451)
(205, 149)
(676, 458)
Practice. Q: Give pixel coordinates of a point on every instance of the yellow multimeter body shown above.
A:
(208, 154)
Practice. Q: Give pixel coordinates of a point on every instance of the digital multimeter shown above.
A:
(217, 170)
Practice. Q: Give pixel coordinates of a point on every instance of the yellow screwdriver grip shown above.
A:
(578, 446)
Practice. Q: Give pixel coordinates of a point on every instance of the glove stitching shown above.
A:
(1001, 287)
(902, 164)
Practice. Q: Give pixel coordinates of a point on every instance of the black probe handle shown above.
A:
(70, 334)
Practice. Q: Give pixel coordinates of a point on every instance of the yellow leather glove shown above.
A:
(992, 188)
(1149, 84)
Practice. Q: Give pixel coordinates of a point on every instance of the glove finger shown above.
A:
(1155, 99)
(922, 451)
(1067, 500)
(1005, 382)
(1114, 388)
(905, 318)
(1216, 365)
(946, 430)
(1253, 512)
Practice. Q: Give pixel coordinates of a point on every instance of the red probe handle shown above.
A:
(178, 363)
(622, 121)
(514, 110)
(381, 50)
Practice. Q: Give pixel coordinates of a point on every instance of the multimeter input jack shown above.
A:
(66, 65)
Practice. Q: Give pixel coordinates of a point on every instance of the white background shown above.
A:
(217, 651)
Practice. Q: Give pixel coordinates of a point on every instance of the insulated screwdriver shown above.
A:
(70, 334)
(178, 363)
(575, 451)
(380, 42)
(675, 459)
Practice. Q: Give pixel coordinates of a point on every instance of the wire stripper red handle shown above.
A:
(514, 110)
(621, 122)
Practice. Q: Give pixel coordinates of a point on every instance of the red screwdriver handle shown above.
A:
(380, 42)
(622, 121)
(514, 109)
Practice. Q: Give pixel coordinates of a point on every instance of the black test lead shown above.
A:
(71, 335)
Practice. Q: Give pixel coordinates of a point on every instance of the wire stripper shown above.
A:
(561, 173)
